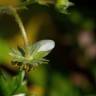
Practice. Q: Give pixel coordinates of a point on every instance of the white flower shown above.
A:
(46, 45)
(21, 94)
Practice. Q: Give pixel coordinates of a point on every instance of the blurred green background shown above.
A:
(72, 67)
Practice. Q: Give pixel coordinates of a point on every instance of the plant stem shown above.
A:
(21, 77)
(21, 26)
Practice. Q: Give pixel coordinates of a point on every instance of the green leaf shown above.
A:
(62, 5)
(5, 82)
(10, 85)
(19, 82)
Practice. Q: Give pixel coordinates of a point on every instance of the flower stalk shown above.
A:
(21, 26)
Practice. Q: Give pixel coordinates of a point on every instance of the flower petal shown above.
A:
(46, 45)
(21, 94)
